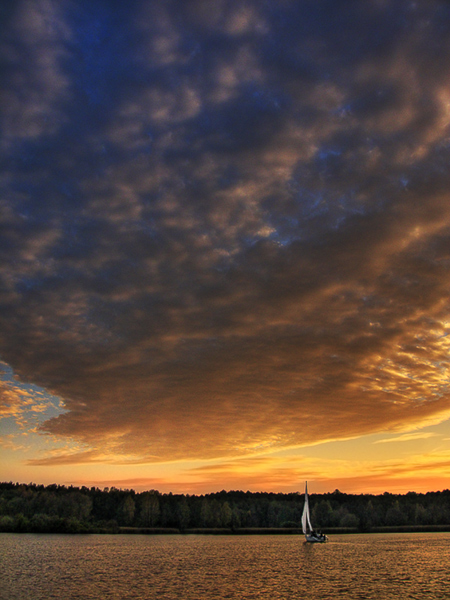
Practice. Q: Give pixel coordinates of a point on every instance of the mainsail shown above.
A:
(306, 523)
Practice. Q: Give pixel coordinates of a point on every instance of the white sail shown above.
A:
(306, 522)
(310, 534)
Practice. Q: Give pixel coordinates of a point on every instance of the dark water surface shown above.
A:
(94, 567)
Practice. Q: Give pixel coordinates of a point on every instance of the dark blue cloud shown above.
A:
(222, 214)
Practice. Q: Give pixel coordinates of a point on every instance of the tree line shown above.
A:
(57, 508)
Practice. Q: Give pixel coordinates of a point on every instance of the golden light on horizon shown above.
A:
(225, 250)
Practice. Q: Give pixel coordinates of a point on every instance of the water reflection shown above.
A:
(179, 567)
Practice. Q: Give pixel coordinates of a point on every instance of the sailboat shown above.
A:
(310, 534)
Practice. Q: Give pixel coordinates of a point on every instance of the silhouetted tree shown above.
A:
(322, 514)
(226, 515)
(205, 514)
(395, 515)
(57, 508)
(126, 512)
(150, 511)
(183, 514)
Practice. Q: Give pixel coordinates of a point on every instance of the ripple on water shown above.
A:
(94, 567)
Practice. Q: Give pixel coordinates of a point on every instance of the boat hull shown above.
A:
(312, 539)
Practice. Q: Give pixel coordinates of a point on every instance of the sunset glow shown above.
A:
(225, 247)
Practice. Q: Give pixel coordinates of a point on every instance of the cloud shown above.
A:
(19, 401)
(35, 86)
(407, 437)
(427, 473)
(236, 237)
(86, 457)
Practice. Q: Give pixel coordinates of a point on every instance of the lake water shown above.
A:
(201, 567)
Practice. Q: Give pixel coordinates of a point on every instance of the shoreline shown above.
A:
(243, 530)
(283, 530)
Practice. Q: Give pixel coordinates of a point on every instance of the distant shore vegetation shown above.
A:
(32, 508)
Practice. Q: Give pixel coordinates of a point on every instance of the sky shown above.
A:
(225, 244)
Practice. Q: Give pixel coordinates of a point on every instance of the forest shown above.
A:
(67, 509)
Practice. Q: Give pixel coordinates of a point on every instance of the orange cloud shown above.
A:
(235, 240)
